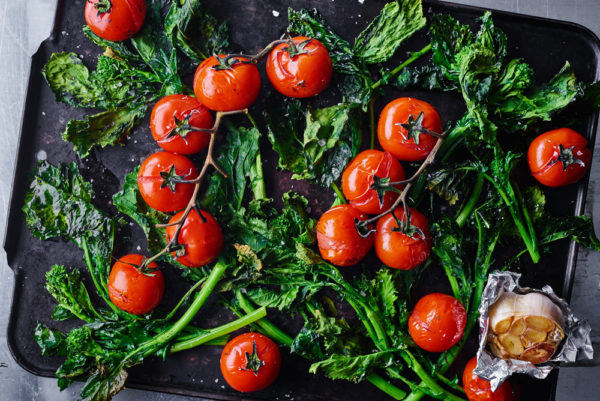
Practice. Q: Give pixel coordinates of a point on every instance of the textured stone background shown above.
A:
(24, 24)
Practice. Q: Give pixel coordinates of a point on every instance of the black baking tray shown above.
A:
(543, 43)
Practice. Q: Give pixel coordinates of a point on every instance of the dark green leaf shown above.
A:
(119, 49)
(354, 368)
(396, 22)
(51, 342)
(102, 129)
(197, 34)
(70, 293)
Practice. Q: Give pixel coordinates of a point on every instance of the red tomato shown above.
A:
(303, 70)
(559, 157)
(478, 389)
(338, 239)
(358, 178)
(223, 85)
(250, 362)
(437, 322)
(115, 20)
(394, 138)
(172, 111)
(397, 249)
(201, 237)
(133, 291)
(155, 181)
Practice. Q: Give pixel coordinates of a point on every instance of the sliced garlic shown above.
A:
(528, 327)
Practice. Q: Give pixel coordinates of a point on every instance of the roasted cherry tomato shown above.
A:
(559, 157)
(478, 389)
(337, 236)
(437, 322)
(406, 247)
(300, 69)
(157, 181)
(224, 83)
(169, 119)
(358, 177)
(200, 236)
(394, 138)
(115, 20)
(250, 362)
(132, 290)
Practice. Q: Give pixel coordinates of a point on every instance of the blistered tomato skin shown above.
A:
(233, 88)
(174, 110)
(302, 75)
(437, 323)
(393, 137)
(132, 291)
(201, 237)
(559, 157)
(478, 389)
(397, 249)
(338, 239)
(122, 21)
(357, 180)
(150, 182)
(235, 367)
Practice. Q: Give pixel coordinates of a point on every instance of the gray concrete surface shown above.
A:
(24, 24)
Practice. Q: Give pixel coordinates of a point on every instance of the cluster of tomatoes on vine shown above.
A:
(373, 183)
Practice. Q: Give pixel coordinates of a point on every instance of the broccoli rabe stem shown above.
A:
(219, 331)
(151, 346)
(469, 206)
(413, 57)
(273, 332)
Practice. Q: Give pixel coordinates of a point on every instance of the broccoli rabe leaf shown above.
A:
(314, 145)
(396, 22)
(114, 83)
(197, 34)
(103, 129)
(118, 49)
(51, 342)
(157, 51)
(70, 293)
(578, 228)
(354, 368)
(58, 205)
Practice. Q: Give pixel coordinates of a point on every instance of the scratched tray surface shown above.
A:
(543, 43)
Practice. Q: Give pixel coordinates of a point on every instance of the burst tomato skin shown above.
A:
(172, 109)
(150, 181)
(233, 362)
(399, 250)
(437, 322)
(338, 239)
(393, 137)
(303, 75)
(132, 291)
(201, 236)
(235, 88)
(478, 389)
(544, 152)
(122, 21)
(357, 179)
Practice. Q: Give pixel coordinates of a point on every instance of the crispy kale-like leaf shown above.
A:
(316, 144)
(70, 293)
(58, 204)
(578, 228)
(51, 342)
(157, 51)
(114, 82)
(103, 129)
(197, 34)
(396, 22)
(354, 368)
(119, 49)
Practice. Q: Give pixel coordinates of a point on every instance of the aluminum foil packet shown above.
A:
(577, 344)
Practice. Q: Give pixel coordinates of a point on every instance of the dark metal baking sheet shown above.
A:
(543, 43)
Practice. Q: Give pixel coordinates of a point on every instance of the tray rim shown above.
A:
(34, 62)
